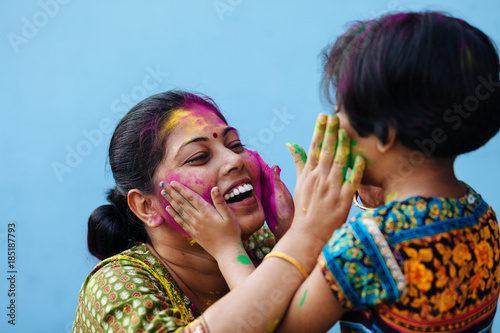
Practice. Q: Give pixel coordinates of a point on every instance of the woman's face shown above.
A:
(203, 152)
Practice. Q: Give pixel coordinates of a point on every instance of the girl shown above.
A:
(413, 91)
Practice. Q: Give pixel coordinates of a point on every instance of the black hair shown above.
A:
(428, 75)
(136, 149)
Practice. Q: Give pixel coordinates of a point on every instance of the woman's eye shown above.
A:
(237, 146)
(197, 158)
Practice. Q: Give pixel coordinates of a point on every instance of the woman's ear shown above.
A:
(141, 206)
(391, 139)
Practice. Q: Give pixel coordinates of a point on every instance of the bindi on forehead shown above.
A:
(215, 135)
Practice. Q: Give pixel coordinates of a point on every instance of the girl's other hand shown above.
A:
(276, 199)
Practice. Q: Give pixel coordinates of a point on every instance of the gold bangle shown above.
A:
(290, 259)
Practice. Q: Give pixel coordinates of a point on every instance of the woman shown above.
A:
(153, 276)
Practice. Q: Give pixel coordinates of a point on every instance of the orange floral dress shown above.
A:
(419, 265)
(134, 292)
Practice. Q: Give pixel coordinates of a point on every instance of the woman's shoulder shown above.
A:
(132, 288)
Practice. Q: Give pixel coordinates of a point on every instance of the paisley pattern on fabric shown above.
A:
(449, 253)
(134, 292)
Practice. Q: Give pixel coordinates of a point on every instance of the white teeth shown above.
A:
(238, 190)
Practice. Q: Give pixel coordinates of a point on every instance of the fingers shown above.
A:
(183, 200)
(180, 220)
(317, 140)
(299, 156)
(329, 143)
(342, 155)
(220, 204)
(354, 180)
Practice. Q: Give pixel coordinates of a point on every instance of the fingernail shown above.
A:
(322, 118)
(164, 193)
(173, 184)
(162, 184)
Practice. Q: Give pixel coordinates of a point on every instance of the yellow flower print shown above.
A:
(447, 299)
(441, 275)
(484, 254)
(421, 205)
(434, 211)
(418, 274)
(476, 282)
(445, 252)
(461, 254)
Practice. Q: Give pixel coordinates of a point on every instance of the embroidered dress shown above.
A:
(134, 292)
(419, 265)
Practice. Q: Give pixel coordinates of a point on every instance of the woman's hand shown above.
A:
(276, 199)
(213, 227)
(323, 196)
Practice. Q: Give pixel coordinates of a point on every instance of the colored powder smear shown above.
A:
(244, 259)
(303, 299)
(298, 151)
(391, 197)
(272, 326)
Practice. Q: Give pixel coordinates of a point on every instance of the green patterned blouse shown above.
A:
(134, 292)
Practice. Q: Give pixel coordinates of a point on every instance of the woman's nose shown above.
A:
(231, 161)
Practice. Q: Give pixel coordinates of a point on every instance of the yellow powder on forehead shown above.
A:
(174, 119)
(193, 121)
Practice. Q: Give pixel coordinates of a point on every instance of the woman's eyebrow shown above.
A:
(227, 130)
(200, 139)
(204, 138)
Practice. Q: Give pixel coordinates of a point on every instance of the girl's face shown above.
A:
(203, 152)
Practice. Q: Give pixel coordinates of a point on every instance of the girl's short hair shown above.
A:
(432, 77)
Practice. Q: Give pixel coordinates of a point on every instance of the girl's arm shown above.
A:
(323, 199)
(313, 308)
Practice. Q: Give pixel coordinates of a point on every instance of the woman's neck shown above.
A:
(431, 178)
(195, 270)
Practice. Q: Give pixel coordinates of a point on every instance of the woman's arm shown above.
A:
(323, 199)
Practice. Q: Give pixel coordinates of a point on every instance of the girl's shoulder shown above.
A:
(426, 212)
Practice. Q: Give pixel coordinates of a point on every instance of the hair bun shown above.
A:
(108, 230)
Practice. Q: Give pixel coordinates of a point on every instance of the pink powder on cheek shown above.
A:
(267, 188)
(252, 161)
(167, 218)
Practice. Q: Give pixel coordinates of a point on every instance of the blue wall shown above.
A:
(71, 69)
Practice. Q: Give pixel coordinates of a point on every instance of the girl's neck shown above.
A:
(195, 271)
(432, 178)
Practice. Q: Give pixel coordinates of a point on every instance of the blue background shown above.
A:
(71, 70)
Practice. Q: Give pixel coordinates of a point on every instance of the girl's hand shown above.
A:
(323, 196)
(276, 199)
(213, 227)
